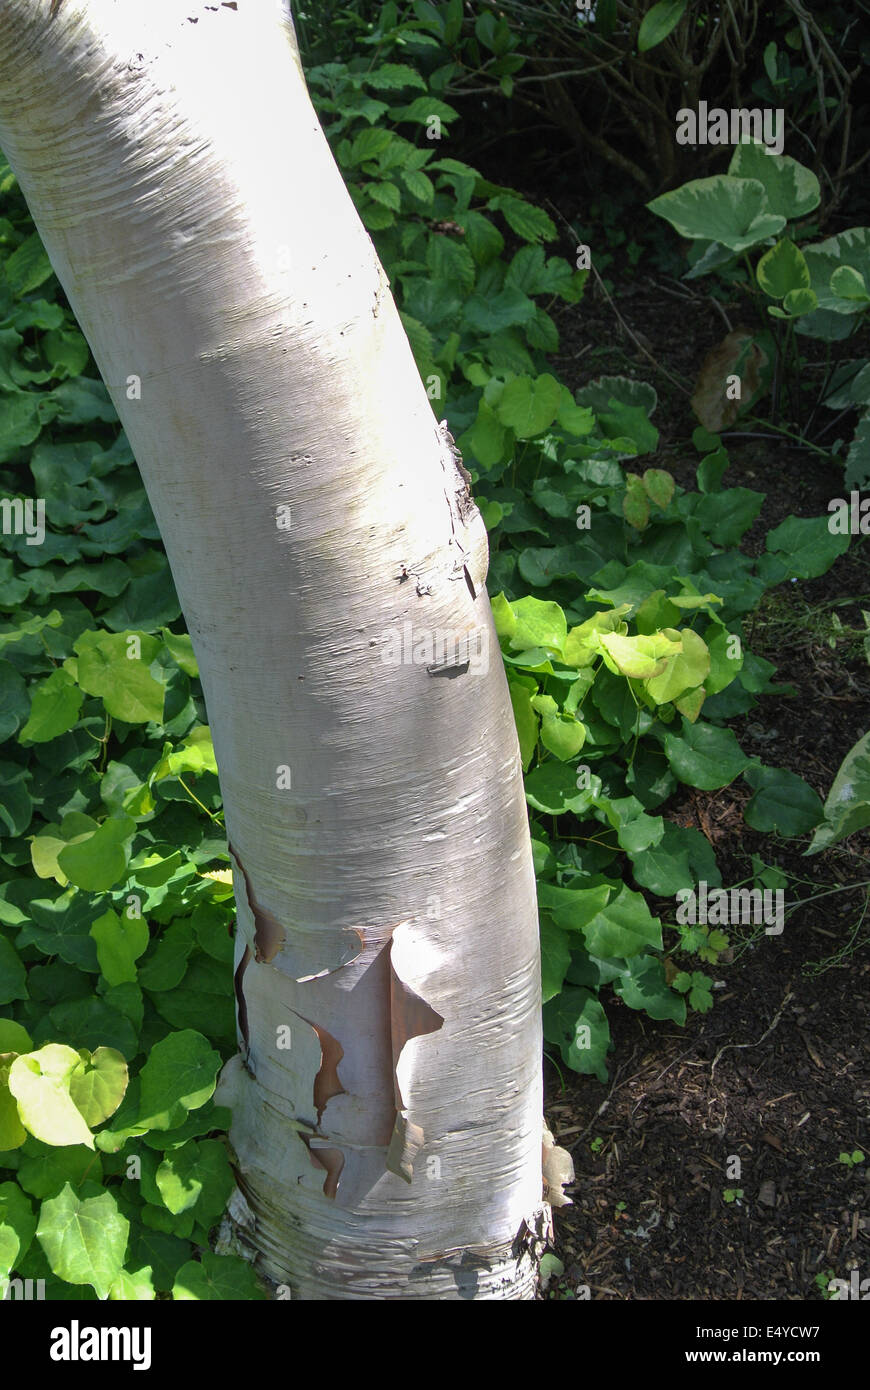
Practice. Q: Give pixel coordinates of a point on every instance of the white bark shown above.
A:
(191, 207)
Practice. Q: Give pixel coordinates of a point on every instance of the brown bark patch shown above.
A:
(269, 935)
(735, 355)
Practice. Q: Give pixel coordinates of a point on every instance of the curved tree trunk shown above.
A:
(387, 1094)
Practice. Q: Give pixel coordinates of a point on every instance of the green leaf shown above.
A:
(17, 1226)
(642, 985)
(555, 958)
(552, 787)
(92, 1023)
(539, 623)
(526, 720)
(849, 283)
(47, 845)
(635, 507)
(636, 831)
(180, 648)
(393, 77)
(697, 986)
(120, 942)
(849, 248)
(577, 1023)
(529, 406)
(12, 1132)
(28, 266)
(495, 312)
(98, 861)
(689, 668)
(418, 184)
(483, 238)
(858, 459)
(680, 860)
(640, 657)
(623, 928)
(202, 1002)
(180, 1075)
(20, 421)
(219, 1277)
(529, 222)
(726, 516)
(781, 269)
(40, 1083)
(576, 419)
(796, 303)
(14, 702)
(805, 547)
(783, 803)
(97, 1087)
(14, 1038)
(13, 976)
(85, 1241)
(82, 400)
(124, 683)
(166, 967)
(790, 188)
(66, 351)
(572, 909)
(54, 708)
(658, 22)
(659, 485)
(731, 211)
(45, 1174)
(847, 808)
(704, 756)
(385, 193)
(562, 734)
(196, 1175)
(134, 1287)
(726, 659)
(60, 927)
(488, 435)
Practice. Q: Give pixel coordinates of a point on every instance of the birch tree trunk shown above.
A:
(387, 1093)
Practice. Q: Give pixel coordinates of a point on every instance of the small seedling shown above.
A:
(822, 1282)
(851, 1160)
(732, 1194)
(551, 1267)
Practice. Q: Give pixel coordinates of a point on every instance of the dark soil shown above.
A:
(776, 1075)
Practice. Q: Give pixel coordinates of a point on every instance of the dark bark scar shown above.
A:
(269, 935)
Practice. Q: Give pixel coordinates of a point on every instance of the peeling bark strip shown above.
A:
(326, 1082)
(268, 932)
(330, 1161)
(197, 221)
(410, 1017)
(241, 1006)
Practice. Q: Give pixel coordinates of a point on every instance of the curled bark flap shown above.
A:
(558, 1171)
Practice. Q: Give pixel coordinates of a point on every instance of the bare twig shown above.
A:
(766, 1034)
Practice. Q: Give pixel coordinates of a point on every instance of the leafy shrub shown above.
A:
(821, 290)
(609, 76)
